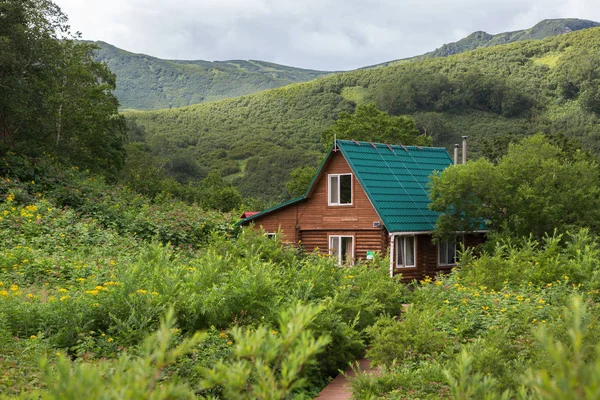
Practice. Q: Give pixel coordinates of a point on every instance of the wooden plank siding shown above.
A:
(427, 262)
(315, 214)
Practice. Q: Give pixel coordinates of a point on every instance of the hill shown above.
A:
(521, 88)
(478, 39)
(148, 83)
(543, 29)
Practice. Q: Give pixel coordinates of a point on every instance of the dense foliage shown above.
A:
(87, 270)
(519, 89)
(520, 321)
(149, 83)
(535, 188)
(368, 124)
(53, 96)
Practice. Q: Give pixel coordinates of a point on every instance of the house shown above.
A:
(366, 198)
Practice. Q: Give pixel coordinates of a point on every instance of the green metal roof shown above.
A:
(396, 178)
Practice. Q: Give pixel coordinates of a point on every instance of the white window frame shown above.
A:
(443, 245)
(340, 261)
(271, 235)
(402, 248)
(330, 188)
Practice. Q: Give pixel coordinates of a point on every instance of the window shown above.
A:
(342, 247)
(447, 251)
(271, 235)
(405, 251)
(340, 189)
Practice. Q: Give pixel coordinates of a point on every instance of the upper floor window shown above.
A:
(340, 189)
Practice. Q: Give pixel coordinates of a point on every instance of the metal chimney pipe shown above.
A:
(464, 152)
(456, 154)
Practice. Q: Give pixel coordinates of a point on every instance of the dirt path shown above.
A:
(339, 388)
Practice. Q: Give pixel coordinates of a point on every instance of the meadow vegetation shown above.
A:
(87, 271)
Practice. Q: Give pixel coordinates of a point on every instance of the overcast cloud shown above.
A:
(317, 34)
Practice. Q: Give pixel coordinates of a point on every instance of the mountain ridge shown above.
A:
(479, 39)
(148, 83)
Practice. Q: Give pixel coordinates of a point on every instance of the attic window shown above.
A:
(340, 189)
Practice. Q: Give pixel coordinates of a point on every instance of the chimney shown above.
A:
(464, 152)
(456, 154)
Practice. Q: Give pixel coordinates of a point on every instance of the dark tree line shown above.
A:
(53, 96)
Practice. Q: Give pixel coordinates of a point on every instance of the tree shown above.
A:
(300, 178)
(216, 194)
(367, 123)
(53, 96)
(534, 189)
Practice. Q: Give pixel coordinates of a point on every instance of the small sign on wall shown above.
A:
(370, 254)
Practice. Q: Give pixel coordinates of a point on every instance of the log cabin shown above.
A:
(367, 198)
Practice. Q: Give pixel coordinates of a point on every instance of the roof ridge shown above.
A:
(378, 144)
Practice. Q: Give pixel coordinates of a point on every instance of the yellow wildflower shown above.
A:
(141, 291)
(63, 298)
(4, 293)
(32, 337)
(109, 340)
(230, 343)
(14, 288)
(62, 290)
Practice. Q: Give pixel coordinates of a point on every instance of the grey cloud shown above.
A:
(319, 34)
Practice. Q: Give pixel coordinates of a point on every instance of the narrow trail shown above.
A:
(339, 388)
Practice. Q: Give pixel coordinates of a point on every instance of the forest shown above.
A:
(120, 279)
(493, 95)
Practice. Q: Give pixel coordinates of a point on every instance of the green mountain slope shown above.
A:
(521, 88)
(148, 83)
(478, 39)
(545, 28)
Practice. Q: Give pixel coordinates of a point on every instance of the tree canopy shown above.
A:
(534, 189)
(369, 124)
(53, 96)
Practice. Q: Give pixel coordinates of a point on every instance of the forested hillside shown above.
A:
(541, 30)
(148, 83)
(493, 95)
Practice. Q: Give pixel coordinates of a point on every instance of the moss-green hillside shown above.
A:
(478, 39)
(521, 88)
(149, 83)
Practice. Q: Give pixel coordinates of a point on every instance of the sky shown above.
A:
(328, 35)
